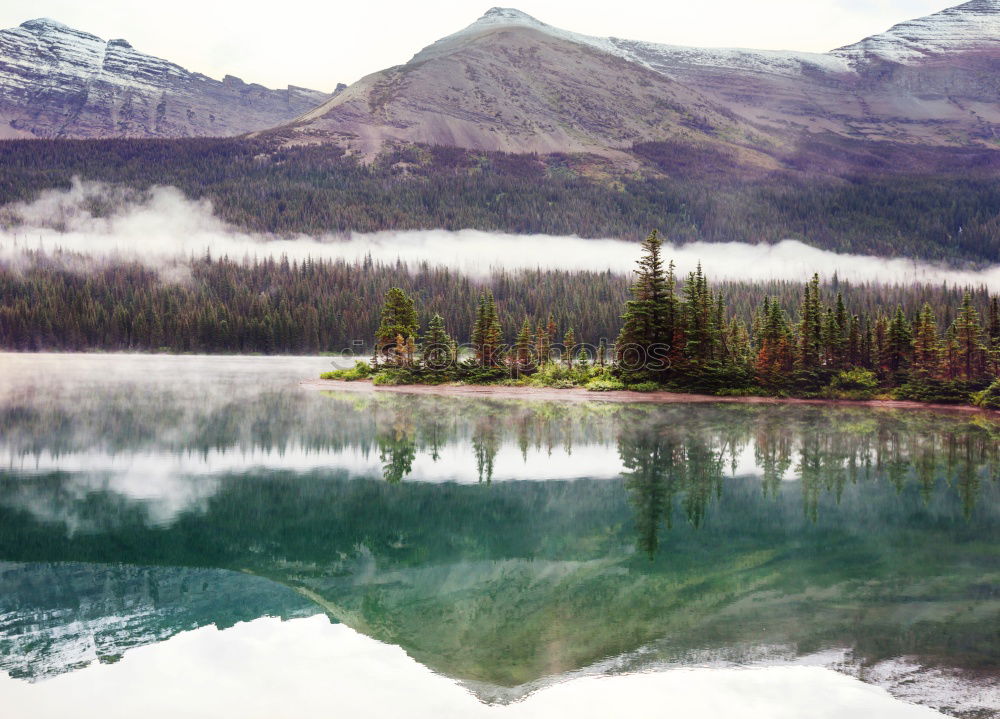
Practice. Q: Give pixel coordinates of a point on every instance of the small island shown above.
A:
(690, 341)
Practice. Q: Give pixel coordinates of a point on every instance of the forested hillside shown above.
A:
(941, 204)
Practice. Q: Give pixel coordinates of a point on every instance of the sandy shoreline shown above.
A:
(578, 394)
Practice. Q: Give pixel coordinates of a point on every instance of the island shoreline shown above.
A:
(579, 394)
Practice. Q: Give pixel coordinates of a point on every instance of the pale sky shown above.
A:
(318, 44)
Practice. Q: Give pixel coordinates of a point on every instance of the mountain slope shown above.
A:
(510, 82)
(504, 84)
(59, 82)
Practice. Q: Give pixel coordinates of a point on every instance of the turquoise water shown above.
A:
(501, 544)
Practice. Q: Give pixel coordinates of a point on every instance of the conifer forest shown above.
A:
(684, 334)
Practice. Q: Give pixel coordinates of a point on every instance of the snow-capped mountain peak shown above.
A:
(654, 56)
(57, 81)
(43, 23)
(970, 26)
(503, 18)
(507, 15)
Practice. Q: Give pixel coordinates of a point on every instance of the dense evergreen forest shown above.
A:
(689, 339)
(864, 199)
(65, 302)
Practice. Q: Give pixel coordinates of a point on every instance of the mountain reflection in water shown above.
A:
(656, 535)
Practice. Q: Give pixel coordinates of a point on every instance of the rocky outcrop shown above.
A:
(59, 82)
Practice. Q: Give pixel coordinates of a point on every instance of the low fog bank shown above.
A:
(162, 226)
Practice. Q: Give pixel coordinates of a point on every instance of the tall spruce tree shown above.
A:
(648, 317)
(838, 335)
(993, 335)
(810, 326)
(697, 308)
(523, 359)
(543, 344)
(493, 337)
(926, 344)
(437, 347)
(969, 339)
(399, 319)
(775, 354)
(854, 345)
(569, 347)
(487, 333)
(898, 347)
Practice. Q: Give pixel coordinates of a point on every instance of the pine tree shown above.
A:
(543, 344)
(718, 338)
(487, 334)
(523, 348)
(867, 355)
(952, 353)
(493, 335)
(880, 345)
(969, 338)
(478, 333)
(898, 348)
(926, 344)
(854, 358)
(569, 345)
(738, 351)
(399, 318)
(993, 336)
(810, 326)
(649, 312)
(697, 310)
(774, 353)
(838, 335)
(436, 347)
(551, 331)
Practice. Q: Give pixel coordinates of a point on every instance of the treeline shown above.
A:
(64, 302)
(687, 337)
(690, 338)
(930, 211)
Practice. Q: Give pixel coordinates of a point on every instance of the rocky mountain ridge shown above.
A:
(56, 81)
(510, 82)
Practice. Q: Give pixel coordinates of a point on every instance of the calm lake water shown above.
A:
(205, 532)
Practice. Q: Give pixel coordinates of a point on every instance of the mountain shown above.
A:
(56, 618)
(972, 27)
(59, 82)
(510, 82)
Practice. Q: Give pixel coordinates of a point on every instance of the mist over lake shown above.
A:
(163, 228)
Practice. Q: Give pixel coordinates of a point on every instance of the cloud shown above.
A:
(253, 668)
(163, 228)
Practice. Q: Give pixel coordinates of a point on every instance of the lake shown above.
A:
(200, 536)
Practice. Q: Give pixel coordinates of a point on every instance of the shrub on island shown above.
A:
(360, 371)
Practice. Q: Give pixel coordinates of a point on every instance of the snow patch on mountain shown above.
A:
(651, 55)
(46, 46)
(777, 62)
(56, 81)
(970, 26)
